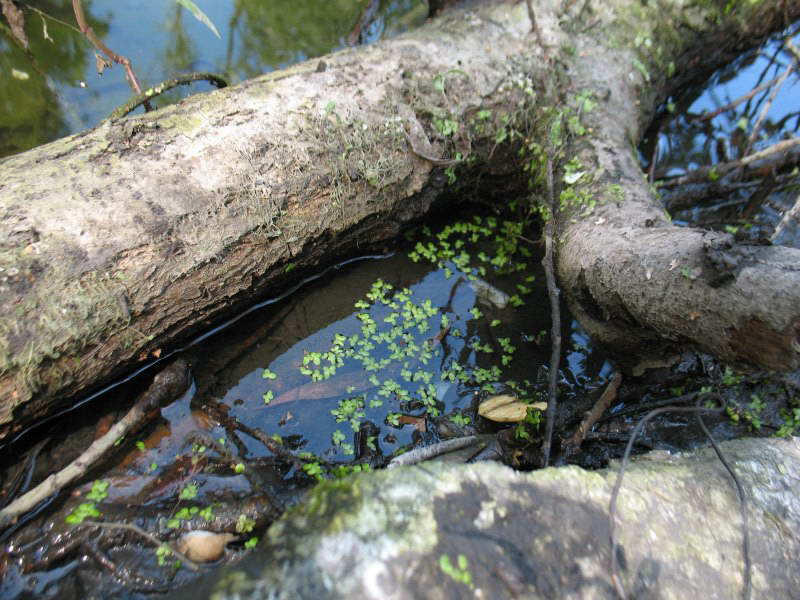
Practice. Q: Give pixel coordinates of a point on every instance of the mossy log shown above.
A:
(119, 241)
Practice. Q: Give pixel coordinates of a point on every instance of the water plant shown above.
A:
(402, 353)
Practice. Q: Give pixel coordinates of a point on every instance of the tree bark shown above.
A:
(116, 242)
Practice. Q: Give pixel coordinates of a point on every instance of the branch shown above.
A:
(605, 400)
(722, 169)
(555, 314)
(148, 536)
(165, 86)
(166, 386)
(87, 31)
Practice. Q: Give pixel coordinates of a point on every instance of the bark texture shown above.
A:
(118, 241)
(635, 280)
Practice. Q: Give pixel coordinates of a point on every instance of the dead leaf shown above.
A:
(101, 63)
(45, 33)
(507, 409)
(156, 353)
(419, 423)
(285, 419)
(16, 19)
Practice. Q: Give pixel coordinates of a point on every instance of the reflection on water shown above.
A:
(747, 204)
(53, 89)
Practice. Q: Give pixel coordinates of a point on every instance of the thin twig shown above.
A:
(418, 455)
(44, 15)
(635, 410)
(602, 404)
(651, 172)
(254, 432)
(737, 102)
(86, 30)
(148, 536)
(722, 169)
(166, 386)
(365, 18)
(555, 314)
(534, 25)
(612, 509)
(765, 109)
(748, 581)
(165, 86)
(793, 214)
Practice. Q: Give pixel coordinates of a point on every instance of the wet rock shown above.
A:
(486, 531)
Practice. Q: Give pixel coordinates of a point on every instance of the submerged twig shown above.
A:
(602, 404)
(419, 455)
(167, 385)
(555, 314)
(148, 536)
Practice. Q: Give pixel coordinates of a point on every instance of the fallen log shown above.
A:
(116, 242)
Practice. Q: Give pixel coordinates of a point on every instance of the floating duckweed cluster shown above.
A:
(408, 352)
(450, 246)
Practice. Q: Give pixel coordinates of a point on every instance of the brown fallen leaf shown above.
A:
(507, 409)
(419, 423)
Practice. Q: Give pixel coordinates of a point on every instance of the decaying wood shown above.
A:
(592, 416)
(116, 242)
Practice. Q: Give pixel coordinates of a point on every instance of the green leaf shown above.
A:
(99, 490)
(81, 512)
(189, 492)
(199, 15)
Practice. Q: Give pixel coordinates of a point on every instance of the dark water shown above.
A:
(53, 89)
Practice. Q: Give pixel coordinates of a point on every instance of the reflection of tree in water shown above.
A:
(746, 107)
(272, 35)
(180, 56)
(30, 111)
(278, 33)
